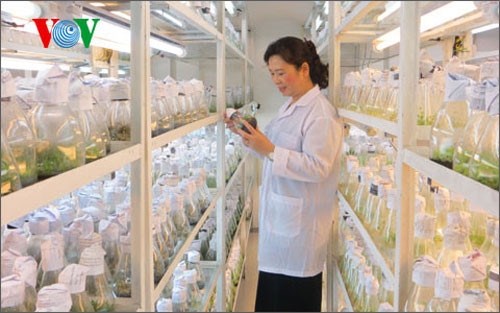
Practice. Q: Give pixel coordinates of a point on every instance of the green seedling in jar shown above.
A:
(53, 161)
(9, 178)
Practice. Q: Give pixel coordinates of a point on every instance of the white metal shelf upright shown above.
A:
(411, 157)
(138, 153)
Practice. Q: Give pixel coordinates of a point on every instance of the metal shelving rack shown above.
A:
(411, 157)
(138, 152)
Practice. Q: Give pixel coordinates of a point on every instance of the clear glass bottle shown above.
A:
(80, 100)
(371, 302)
(474, 300)
(159, 239)
(484, 165)
(61, 144)
(119, 111)
(474, 128)
(179, 299)
(188, 188)
(74, 276)
(193, 258)
(10, 178)
(110, 234)
(122, 280)
(193, 293)
(12, 294)
(54, 298)
(389, 232)
(18, 134)
(449, 287)
(173, 101)
(422, 289)
(38, 229)
(25, 268)
(52, 262)
(454, 246)
(450, 120)
(96, 284)
(179, 217)
(493, 287)
(425, 227)
(164, 305)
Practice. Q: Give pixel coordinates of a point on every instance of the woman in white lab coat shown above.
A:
(301, 152)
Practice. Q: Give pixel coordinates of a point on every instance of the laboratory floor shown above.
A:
(248, 289)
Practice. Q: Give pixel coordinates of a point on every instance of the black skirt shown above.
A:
(281, 293)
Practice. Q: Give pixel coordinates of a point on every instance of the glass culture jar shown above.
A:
(96, 284)
(119, 118)
(26, 268)
(474, 128)
(81, 102)
(484, 165)
(74, 276)
(423, 277)
(450, 120)
(122, 280)
(18, 133)
(54, 298)
(448, 288)
(9, 173)
(61, 144)
(12, 294)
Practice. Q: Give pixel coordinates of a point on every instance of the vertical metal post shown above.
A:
(407, 119)
(221, 160)
(244, 40)
(333, 93)
(141, 231)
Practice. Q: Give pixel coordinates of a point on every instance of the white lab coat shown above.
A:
(298, 189)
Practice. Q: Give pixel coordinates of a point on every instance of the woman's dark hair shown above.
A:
(296, 51)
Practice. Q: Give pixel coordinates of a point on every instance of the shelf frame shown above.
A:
(477, 193)
(370, 244)
(161, 140)
(26, 200)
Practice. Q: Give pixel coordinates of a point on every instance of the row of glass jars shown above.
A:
(464, 136)
(49, 137)
(368, 289)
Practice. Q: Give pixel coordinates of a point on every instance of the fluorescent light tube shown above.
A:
(229, 7)
(169, 18)
(29, 65)
(121, 14)
(390, 8)
(440, 16)
(23, 9)
(326, 8)
(484, 28)
(111, 36)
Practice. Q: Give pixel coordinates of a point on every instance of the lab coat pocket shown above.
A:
(288, 141)
(285, 218)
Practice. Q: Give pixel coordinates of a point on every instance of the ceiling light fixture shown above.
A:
(484, 28)
(169, 18)
(112, 36)
(121, 14)
(440, 16)
(390, 7)
(229, 7)
(22, 9)
(29, 65)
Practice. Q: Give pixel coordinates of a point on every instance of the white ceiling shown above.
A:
(263, 11)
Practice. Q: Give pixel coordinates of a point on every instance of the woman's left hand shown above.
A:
(255, 140)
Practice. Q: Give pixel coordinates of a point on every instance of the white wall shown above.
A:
(264, 90)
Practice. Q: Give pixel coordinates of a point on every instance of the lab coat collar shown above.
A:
(303, 101)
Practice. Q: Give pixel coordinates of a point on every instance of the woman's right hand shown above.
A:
(230, 124)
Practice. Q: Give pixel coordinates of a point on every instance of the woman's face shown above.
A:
(291, 82)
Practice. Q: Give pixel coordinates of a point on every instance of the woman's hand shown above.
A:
(230, 124)
(255, 139)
